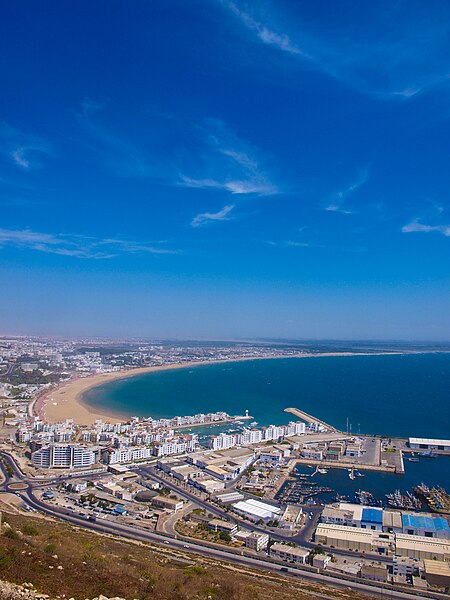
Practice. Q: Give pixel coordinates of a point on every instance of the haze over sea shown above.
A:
(397, 395)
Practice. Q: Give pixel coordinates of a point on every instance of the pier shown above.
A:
(310, 419)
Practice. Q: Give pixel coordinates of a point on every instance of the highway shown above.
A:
(229, 555)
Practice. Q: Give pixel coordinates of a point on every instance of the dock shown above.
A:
(310, 419)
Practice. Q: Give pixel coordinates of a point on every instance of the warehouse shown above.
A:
(256, 510)
(429, 444)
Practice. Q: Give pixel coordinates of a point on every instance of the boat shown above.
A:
(322, 471)
(351, 474)
(366, 498)
(413, 459)
(359, 474)
(408, 501)
(437, 499)
(253, 423)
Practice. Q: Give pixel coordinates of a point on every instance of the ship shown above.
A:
(406, 501)
(366, 498)
(437, 499)
(427, 454)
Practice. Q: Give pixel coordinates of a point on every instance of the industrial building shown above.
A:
(429, 444)
(364, 540)
(355, 538)
(389, 521)
(437, 573)
(256, 510)
(427, 526)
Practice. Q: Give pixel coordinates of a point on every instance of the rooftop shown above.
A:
(294, 551)
(424, 522)
(372, 515)
(429, 441)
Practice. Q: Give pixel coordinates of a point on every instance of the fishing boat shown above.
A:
(408, 501)
(413, 459)
(322, 471)
(351, 474)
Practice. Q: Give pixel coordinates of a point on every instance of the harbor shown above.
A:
(315, 485)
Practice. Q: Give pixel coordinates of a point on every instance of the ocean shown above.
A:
(396, 395)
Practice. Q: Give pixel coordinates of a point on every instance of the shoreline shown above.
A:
(66, 400)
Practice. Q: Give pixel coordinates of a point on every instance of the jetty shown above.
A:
(310, 419)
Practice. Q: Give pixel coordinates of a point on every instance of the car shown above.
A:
(166, 542)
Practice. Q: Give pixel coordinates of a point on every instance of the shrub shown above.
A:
(29, 529)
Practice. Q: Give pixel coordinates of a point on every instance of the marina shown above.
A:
(375, 486)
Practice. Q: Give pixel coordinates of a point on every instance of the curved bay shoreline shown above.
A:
(66, 401)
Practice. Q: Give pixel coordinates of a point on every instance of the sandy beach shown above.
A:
(66, 400)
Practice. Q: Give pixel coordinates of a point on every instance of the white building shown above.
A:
(115, 456)
(256, 510)
(289, 553)
(61, 456)
(429, 444)
(257, 541)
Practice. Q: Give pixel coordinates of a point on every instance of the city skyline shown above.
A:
(225, 170)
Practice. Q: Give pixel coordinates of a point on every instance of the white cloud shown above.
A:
(339, 209)
(22, 149)
(75, 245)
(229, 163)
(206, 218)
(215, 157)
(417, 227)
(378, 60)
(339, 198)
(264, 33)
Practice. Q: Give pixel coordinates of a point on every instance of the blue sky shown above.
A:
(223, 169)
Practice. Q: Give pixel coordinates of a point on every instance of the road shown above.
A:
(227, 554)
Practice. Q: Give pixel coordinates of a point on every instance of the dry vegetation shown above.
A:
(59, 559)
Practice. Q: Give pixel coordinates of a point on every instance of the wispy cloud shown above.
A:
(339, 199)
(416, 226)
(313, 245)
(208, 155)
(76, 245)
(231, 164)
(23, 150)
(119, 155)
(339, 209)
(262, 31)
(379, 60)
(206, 218)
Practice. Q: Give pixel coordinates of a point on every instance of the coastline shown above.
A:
(66, 400)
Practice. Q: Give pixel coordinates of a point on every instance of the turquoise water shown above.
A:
(398, 395)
